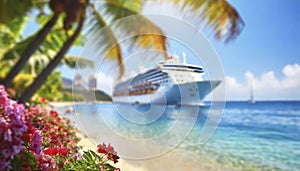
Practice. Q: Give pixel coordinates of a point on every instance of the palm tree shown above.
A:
(14, 9)
(38, 39)
(41, 78)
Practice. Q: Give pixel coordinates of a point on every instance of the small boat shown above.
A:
(69, 110)
(251, 99)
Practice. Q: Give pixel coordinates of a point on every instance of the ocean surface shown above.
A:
(260, 136)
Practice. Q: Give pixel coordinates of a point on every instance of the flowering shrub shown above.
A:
(34, 138)
(59, 133)
(109, 152)
(17, 134)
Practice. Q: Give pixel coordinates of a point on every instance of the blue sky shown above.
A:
(269, 41)
(267, 52)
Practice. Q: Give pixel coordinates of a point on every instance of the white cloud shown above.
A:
(234, 90)
(105, 83)
(292, 73)
(266, 86)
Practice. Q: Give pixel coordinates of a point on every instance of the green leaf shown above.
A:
(87, 155)
(17, 162)
(30, 159)
(96, 156)
(109, 167)
(10, 9)
(16, 51)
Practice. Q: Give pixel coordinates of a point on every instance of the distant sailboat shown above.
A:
(251, 100)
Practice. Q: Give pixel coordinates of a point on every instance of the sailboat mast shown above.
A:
(251, 100)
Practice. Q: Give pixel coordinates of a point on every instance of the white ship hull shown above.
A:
(176, 94)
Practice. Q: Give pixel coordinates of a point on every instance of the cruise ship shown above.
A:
(171, 82)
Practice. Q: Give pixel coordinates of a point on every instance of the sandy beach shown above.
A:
(175, 160)
(170, 161)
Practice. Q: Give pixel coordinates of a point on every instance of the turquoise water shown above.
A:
(263, 136)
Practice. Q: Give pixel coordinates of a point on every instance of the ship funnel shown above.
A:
(184, 57)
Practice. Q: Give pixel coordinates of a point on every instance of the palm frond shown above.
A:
(107, 40)
(15, 51)
(140, 31)
(144, 33)
(75, 61)
(10, 33)
(218, 15)
(36, 64)
(52, 43)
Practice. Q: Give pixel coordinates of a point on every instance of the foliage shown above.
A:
(45, 53)
(11, 33)
(218, 15)
(69, 96)
(52, 87)
(50, 90)
(34, 138)
(21, 82)
(17, 8)
(92, 161)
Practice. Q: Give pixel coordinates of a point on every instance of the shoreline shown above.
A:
(174, 160)
(72, 103)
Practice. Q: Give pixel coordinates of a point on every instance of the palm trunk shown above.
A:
(39, 38)
(41, 78)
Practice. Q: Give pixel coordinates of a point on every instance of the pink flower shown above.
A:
(46, 163)
(12, 128)
(102, 148)
(109, 151)
(7, 135)
(4, 165)
(11, 149)
(17, 148)
(36, 142)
